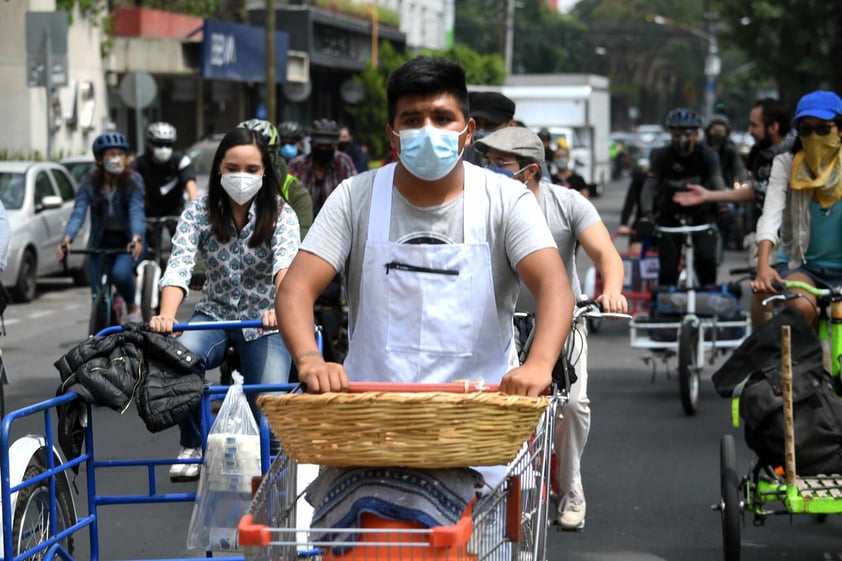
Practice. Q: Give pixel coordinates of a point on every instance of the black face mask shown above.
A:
(683, 147)
(716, 139)
(343, 145)
(322, 156)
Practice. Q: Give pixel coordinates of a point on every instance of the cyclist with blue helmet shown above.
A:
(682, 164)
(115, 195)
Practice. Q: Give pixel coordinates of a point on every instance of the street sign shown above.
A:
(46, 45)
(138, 89)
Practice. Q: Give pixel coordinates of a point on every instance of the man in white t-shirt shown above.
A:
(432, 250)
(518, 152)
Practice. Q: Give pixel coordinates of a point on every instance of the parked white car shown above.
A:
(38, 197)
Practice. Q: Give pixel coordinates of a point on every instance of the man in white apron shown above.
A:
(432, 250)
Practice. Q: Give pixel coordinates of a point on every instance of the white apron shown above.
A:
(427, 313)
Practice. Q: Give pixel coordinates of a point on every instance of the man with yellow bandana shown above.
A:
(802, 202)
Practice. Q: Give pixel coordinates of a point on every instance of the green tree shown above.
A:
(544, 40)
(792, 42)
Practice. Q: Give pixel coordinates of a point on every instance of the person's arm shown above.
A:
(306, 278)
(192, 189)
(769, 223)
(187, 175)
(766, 275)
(647, 195)
(544, 275)
(77, 217)
(632, 199)
(171, 298)
(137, 214)
(740, 173)
(696, 195)
(302, 203)
(596, 241)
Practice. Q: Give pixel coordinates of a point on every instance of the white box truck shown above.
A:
(573, 106)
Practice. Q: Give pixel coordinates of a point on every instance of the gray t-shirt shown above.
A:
(514, 228)
(568, 214)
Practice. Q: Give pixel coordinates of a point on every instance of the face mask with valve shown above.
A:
(241, 187)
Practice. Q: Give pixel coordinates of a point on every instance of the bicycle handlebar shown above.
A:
(593, 309)
(684, 229)
(95, 251)
(800, 285)
(197, 326)
(162, 219)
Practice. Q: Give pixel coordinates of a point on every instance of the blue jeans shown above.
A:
(122, 267)
(265, 360)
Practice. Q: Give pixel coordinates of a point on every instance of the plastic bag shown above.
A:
(231, 460)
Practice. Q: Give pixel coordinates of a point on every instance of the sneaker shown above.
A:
(573, 514)
(134, 317)
(186, 472)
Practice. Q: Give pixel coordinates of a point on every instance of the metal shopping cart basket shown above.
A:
(507, 522)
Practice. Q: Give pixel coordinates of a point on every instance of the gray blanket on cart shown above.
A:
(432, 498)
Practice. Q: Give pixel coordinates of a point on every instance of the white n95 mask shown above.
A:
(241, 187)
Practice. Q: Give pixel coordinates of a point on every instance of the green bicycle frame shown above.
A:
(829, 329)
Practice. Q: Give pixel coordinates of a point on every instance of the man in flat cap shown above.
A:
(518, 152)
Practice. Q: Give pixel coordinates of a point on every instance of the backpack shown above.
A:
(752, 375)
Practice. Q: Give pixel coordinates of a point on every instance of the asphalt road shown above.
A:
(650, 473)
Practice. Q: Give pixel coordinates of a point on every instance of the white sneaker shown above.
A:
(134, 317)
(186, 472)
(572, 515)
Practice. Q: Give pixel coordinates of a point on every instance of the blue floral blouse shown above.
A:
(239, 279)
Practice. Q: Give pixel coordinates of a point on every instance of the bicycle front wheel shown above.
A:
(100, 314)
(32, 518)
(688, 369)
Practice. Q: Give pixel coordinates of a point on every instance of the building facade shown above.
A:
(77, 110)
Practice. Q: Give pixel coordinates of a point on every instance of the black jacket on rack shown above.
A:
(153, 370)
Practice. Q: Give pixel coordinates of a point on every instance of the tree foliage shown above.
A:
(793, 42)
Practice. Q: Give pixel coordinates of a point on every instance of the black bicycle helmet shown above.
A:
(290, 132)
(683, 118)
(324, 131)
(109, 140)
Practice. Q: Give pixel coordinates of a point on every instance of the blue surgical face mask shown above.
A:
(501, 171)
(506, 172)
(289, 151)
(429, 153)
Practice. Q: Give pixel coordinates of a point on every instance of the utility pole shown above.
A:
(510, 35)
(271, 105)
(713, 63)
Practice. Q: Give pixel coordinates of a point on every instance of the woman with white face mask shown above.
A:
(114, 193)
(246, 236)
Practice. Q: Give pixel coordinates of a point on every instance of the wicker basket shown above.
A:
(432, 430)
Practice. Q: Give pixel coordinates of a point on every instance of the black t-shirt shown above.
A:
(760, 165)
(574, 181)
(165, 183)
(671, 169)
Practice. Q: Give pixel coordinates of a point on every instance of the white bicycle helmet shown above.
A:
(161, 132)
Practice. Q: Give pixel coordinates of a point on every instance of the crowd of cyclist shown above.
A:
(267, 184)
(791, 178)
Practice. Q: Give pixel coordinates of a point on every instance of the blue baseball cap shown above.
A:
(819, 104)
